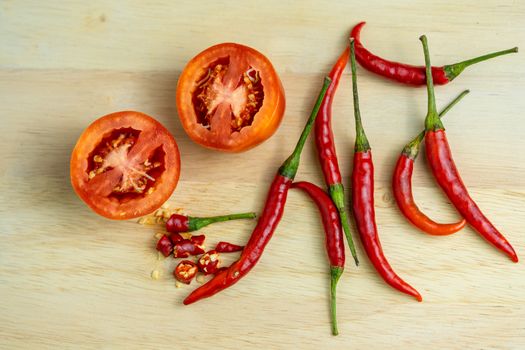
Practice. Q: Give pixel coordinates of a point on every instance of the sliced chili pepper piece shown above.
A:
(187, 247)
(175, 237)
(409, 74)
(268, 221)
(165, 246)
(363, 198)
(209, 262)
(402, 186)
(198, 240)
(185, 271)
(225, 247)
(326, 152)
(183, 223)
(334, 241)
(444, 169)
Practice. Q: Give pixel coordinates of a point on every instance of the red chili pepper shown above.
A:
(187, 247)
(335, 245)
(183, 223)
(225, 247)
(402, 186)
(165, 246)
(447, 176)
(363, 198)
(209, 262)
(268, 221)
(185, 271)
(326, 152)
(413, 75)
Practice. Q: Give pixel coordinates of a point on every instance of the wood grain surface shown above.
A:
(71, 279)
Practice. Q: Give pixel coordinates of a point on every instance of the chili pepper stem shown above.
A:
(432, 121)
(335, 274)
(196, 223)
(290, 165)
(411, 149)
(337, 195)
(453, 70)
(361, 141)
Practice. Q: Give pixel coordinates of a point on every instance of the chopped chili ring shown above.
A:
(185, 271)
(165, 246)
(209, 262)
(225, 247)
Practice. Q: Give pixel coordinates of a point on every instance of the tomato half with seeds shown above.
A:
(230, 98)
(125, 165)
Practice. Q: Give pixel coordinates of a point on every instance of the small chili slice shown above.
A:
(363, 198)
(413, 75)
(225, 247)
(187, 247)
(185, 271)
(326, 152)
(165, 246)
(444, 169)
(209, 262)
(335, 245)
(183, 223)
(402, 186)
(268, 221)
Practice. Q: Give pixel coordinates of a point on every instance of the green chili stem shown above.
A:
(338, 197)
(432, 121)
(335, 274)
(361, 141)
(196, 223)
(453, 70)
(411, 149)
(290, 165)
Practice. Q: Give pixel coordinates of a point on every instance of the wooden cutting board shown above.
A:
(72, 279)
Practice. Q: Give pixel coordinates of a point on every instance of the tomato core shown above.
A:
(243, 98)
(138, 175)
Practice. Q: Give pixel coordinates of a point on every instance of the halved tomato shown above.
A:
(230, 98)
(125, 165)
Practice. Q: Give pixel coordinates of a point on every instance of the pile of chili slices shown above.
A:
(330, 202)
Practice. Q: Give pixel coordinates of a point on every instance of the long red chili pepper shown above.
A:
(335, 246)
(183, 223)
(402, 186)
(268, 221)
(447, 176)
(413, 75)
(326, 152)
(363, 198)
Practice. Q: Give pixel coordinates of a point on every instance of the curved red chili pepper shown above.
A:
(402, 186)
(183, 223)
(324, 140)
(363, 198)
(268, 221)
(409, 74)
(447, 176)
(334, 241)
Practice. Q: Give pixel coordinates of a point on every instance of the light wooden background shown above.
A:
(72, 279)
